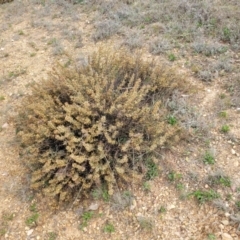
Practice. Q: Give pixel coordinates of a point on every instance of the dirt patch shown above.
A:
(34, 35)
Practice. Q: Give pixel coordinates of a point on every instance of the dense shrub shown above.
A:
(95, 125)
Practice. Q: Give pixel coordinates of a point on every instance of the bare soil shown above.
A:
(32, 40)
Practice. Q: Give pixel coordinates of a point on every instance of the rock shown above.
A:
(226, 236)
(5, 125)
(29, 232)
(225, 222)
(227, 214)
(236, 164)
(133, 205)
(171, 207)
(93, 207)
(221, 226)
(233, 151)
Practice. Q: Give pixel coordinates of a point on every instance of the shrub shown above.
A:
(95, 125)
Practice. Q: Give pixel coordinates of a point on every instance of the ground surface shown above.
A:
(34, 35)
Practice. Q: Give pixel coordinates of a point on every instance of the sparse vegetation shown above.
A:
(86, 217)
(162, 209)
(204, 196)
(208, 158)
(223, 114)
(238, 205)
(146, 186)
(173, 176)
(31, 221)
(219, 179)
(172, 120)
(225, 129)
(117, 123)
(52, 236)
(122, 200)
(6, 218)
(5, 1)
(152, 169)
(109, 228)
(211, 236)
(172, 57)
(145, 223)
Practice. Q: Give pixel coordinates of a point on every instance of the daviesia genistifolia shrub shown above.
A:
(95, 125)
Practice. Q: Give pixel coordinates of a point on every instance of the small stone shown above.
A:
(171, 207)
(226, 236)
(133, 205)
(93, 207)
(225, 222)
(236, 164)
(5, 125)
(29, 232)
(206, 186)
(227, 214)
(221, 226)
(233, 151)
(38, 237)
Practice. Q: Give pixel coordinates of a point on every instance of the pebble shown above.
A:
(133, 205)
(225, 222)
(236, 164)
(227, 214)
(233, 151)
(29, 232)
(5, 125)
(171, 207)
(93, 206)
(226, 236)
(221, 226)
